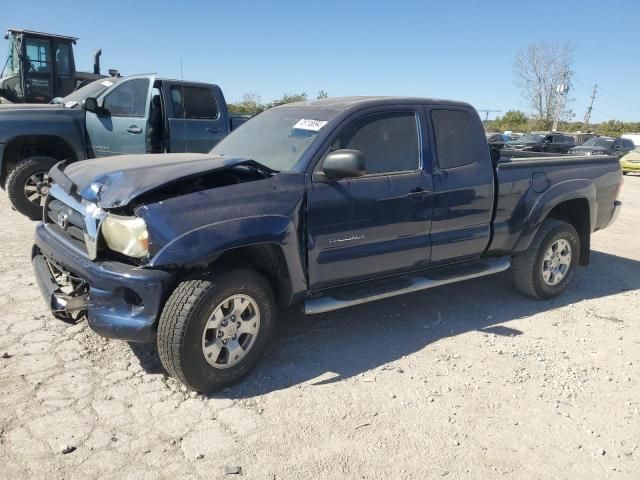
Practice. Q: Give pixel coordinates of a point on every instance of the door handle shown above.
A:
(134, 129)
(418, 194)
(214, 130)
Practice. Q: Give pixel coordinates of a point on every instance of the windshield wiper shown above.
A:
(259, 167)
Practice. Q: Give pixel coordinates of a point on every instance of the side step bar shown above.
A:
(351, 296)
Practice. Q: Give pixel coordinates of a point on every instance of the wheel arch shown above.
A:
(269, 244)
(572, 201)
(25, 146)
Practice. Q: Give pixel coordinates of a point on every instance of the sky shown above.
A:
(460, 50)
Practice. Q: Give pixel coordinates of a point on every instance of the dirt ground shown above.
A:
(466, 381)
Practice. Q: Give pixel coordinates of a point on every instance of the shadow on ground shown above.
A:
(344, 343)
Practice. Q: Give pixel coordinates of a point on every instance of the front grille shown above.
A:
(72, 227)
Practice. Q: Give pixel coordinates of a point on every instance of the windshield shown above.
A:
(599, 142)
(276, 138)
(532, 137)
(12, 65)
(93, 89)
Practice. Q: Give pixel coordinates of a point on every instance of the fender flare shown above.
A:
(203, 245)
(561, 192)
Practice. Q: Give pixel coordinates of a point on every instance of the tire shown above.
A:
(527, 267)
(624, 173)
(28, 174)
(184, 328)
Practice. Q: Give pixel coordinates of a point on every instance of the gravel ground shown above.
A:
(466, 381)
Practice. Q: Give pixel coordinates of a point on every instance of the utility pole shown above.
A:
(561, 92)
(487, 112)
(587, 116)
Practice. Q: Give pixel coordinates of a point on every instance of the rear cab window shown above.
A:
(455, 138)
(194, 102)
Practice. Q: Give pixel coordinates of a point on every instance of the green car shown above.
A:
(630, 162)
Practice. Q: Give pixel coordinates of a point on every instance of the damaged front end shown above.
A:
(68, 294)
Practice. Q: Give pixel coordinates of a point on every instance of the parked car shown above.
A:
(542, 142)
(514, 135)
(634, 137)
(330, 203)
(114, 116)
(604, 146)
(631, 162)
(497, 140)
(496, 143)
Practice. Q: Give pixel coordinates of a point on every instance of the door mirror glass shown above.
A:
(345, 163)
(91, 105)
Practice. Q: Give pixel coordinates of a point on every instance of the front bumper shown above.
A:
(123, 301)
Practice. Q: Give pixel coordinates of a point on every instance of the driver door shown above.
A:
(121, 126)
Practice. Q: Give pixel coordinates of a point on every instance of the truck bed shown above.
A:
(526, 186)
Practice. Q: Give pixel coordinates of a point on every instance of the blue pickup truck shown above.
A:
(110, 116)
(327, 204)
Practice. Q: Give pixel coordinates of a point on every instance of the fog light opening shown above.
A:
(133, 299)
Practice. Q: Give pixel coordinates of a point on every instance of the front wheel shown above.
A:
(27, 185)
(544, 270)
(213, 329)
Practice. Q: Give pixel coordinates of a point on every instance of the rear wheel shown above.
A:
(624, 173)
(546, 267)
(213, 330)
(27, 185)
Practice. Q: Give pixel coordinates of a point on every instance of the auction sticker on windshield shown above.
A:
(311, 125)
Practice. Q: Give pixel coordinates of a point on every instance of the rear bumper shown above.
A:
(617, 205)
(123, 302)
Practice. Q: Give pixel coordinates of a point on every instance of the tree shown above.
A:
(539, 70)
(322, 94)
(249, 103)
(514, 120)
(296, 97)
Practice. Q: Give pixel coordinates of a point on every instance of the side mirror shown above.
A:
(344, 163)
(91, 105)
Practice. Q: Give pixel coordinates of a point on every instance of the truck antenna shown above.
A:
(184, 111)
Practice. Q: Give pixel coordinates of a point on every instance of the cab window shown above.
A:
(38, 55)
(455, 138)
(389, 141)
(63, 59)
(194, 102)
(129, 99)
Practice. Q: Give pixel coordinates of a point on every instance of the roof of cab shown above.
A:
(40, 34)
(342, 103)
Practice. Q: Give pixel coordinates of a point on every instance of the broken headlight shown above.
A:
(126, 235)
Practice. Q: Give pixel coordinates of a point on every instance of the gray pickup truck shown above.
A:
(111, 116)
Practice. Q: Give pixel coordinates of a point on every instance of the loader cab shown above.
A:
(38, 67)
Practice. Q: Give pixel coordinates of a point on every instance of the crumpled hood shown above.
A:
(116, 181)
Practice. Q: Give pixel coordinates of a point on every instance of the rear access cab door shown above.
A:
(463, 184)
(197, 116)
